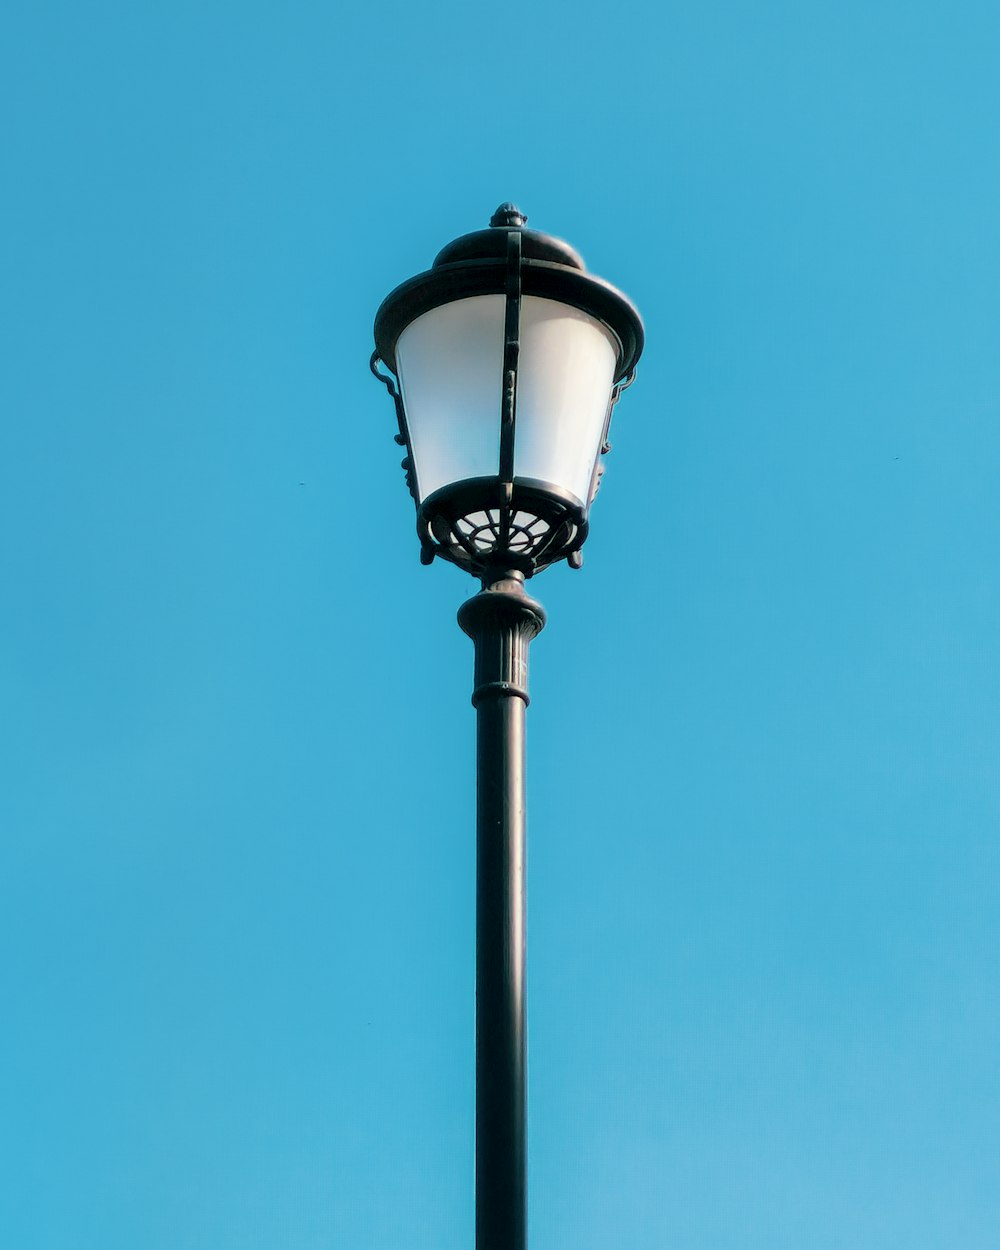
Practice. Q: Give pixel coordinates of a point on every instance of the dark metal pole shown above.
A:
(501, 620)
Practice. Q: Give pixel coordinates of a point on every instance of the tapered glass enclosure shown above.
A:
(450, 363)
(505, 361)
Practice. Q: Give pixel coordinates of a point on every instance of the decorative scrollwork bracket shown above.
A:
(390, 384)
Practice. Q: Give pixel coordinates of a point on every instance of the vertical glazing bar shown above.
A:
(511, 351)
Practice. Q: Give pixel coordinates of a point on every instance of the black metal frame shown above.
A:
(505, 260)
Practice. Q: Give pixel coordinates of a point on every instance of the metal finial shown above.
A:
(508, 215)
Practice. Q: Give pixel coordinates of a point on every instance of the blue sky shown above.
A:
(236, 821)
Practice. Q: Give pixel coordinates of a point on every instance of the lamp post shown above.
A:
(504, 360)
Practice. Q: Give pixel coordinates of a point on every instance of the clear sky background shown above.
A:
(237, 848)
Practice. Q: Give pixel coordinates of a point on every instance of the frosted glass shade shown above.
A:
(450, 363)
(564, 379)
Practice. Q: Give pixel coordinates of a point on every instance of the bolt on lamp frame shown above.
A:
(504, 525)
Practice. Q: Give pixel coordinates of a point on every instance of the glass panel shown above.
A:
(450, 374)
(565, 374)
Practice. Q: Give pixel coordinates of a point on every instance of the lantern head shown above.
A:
(505, 360)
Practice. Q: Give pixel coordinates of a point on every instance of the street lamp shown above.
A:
(504, 360)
